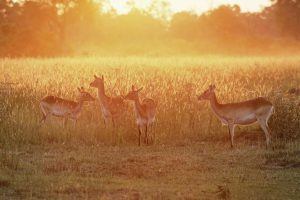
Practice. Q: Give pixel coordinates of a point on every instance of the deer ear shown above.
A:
(102, 77)
(140, 89)
(132, 87)
(95, 76)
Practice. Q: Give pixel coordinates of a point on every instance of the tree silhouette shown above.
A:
(67, 27)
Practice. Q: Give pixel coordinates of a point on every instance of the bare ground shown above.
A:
(202, 170)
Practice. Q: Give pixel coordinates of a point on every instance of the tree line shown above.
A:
(76, 27)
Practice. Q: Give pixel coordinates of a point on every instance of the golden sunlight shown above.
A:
(149, 99)
(199, 6)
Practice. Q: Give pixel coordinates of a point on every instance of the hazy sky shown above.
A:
(194, 5)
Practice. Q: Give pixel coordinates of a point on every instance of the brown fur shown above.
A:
(56, 106)
(145, 111)
(242, 113)
(57, 100)
(111, 107)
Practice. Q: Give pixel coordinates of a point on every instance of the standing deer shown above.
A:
(52, 105)
(242, 113)
(145, 111)
(111, 107)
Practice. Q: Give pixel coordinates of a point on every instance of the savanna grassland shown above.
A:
(190, 157)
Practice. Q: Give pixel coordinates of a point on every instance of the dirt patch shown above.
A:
(282, 165)
(282, 159)
(251, 136)
(78, 191)
(121, 194)
(61, 166)
(148, 166)
(223, 192)
(201, 167)
(4, 183)
(135, 168)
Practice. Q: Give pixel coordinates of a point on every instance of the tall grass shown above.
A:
(172, 82)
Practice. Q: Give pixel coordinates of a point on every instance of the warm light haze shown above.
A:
(199, 6)
(150, 99)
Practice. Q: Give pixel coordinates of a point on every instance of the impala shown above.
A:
(242, 113)
(52, 105)
(111, 107)
(145, 111)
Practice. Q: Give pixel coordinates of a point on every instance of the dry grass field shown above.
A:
(190, 157)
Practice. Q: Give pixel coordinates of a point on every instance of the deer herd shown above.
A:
(231, 114)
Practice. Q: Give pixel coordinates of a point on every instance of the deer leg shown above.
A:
(113, 122)
(64, 122)
(263, 124)
(44, 114)
(269, 130)
(146, 134)
(43, 120)
(104, 121)
(153, 133)
(140, 133)
(231, 133)
(74, 122)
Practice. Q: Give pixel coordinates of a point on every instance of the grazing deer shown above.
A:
(145, 111)
(111, 107)
(242, 113)
(52, 105)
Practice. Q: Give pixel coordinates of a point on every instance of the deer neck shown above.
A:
(216, 107)
(138, 107)
(102, 96)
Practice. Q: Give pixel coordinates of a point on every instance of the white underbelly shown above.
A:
(246, 119)
(105, 112)
(151, 120)
(60, 112)
(242, 120)
(141, 121)
(224, 122)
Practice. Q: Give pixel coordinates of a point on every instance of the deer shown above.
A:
(145, 111)
(241, 113)
(67, 109)
(111, 107)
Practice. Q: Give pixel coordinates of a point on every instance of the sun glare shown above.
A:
(199, 6)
